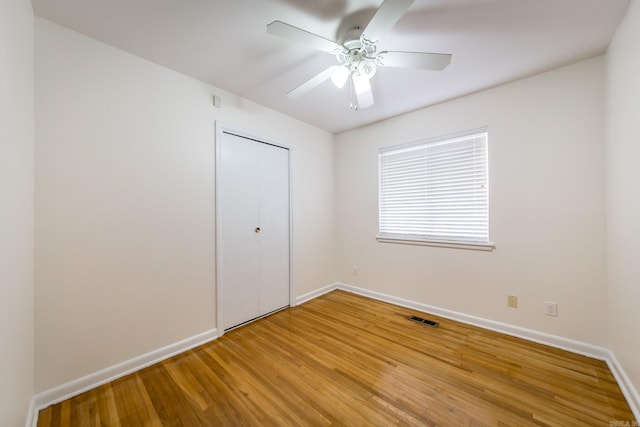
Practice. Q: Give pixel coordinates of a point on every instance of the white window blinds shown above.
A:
(436, 190)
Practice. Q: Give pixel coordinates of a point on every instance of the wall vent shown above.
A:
(424, 321)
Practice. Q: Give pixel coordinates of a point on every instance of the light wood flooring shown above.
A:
(342, 359)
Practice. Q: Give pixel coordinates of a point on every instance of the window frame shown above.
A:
(425, 240)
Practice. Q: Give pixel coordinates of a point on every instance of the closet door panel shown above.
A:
(238, 242)
(274, 223)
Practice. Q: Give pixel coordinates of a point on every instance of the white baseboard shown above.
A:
(315, 294)
(32, 415)
(629, 391)
(573, 346)
(96, 379)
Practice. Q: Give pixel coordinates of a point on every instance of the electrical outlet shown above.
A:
(512, 301)
(356, 270)
(550, 308)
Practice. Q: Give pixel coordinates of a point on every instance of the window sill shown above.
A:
(438, 243)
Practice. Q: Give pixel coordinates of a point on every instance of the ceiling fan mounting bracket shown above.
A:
(353, 33)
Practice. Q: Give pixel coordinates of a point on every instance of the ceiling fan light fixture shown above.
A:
(367, 68)
(340, 76)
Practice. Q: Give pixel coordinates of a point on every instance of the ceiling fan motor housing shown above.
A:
(358, 57)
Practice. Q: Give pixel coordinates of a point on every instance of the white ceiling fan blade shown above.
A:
(362, 89)
(313, 82)
(386, 16)
(295, 34)
(420, 60)
(365, 99)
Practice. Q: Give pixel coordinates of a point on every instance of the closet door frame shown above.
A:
(220, 130)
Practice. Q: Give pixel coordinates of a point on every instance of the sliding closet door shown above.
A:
(252, 227)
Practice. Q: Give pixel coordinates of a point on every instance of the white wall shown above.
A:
(623, 192)
(125, 203)
(546, 207)
(16, 210)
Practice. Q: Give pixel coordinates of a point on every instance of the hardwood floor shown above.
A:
(343, 359)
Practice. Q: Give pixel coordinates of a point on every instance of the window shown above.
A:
(436, 192)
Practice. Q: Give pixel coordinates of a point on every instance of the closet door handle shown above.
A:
(257, 230)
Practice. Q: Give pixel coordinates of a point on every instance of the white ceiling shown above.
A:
(225, 43)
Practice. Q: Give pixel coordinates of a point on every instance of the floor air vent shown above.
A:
(424, 321)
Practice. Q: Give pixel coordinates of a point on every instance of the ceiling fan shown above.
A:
(357, 54)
